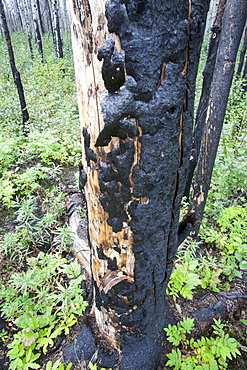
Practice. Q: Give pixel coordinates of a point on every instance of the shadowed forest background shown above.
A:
(43, 290)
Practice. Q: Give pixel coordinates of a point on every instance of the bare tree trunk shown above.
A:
(15, 72)
(48, 5)
(40, 17)
(57, 32)
(245, 75)
(136, 117)
(18, 14)
(208, 72)
(241, 62)
(28, 26)
(38, 37)
(233, 20)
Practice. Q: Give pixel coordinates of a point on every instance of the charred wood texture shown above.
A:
(234, 19)
(15, 72)
(136, 64)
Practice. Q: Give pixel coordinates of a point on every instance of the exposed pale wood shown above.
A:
(90, 86)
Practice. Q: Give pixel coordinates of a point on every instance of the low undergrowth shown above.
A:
(43, 302)
(205, 353)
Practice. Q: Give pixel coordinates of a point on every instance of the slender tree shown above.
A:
(26, 20)
(57, 31)
(36, 27)
(38, 38)
(234, 19)
(15, 72)
(242, 54)
(204, 99)
(40, 17)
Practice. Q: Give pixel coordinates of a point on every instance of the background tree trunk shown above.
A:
(234, 20)
(242, 54)
(57, 32)
(15, 72)
(40, 17)
(36, 26)
(200, 120)
(136, 128)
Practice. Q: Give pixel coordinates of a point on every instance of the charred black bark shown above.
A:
(15, 72)
(142, 178)
(204, 99)
(234, 19)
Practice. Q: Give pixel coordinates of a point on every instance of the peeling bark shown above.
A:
(135, 71)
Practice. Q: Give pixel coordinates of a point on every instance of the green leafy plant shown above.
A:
(202, 354)
(20, 183)
(45, 302)
(57, 366)
(192, 271)
(34, 229)
(92, 366)
(229, 235)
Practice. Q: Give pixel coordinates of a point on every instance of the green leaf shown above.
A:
(29, 337)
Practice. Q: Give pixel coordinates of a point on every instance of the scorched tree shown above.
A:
(136, 63)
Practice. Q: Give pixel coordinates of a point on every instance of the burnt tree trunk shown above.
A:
(232, 28)
(200, 120)
(38, 39)
(245, 75)
(50, 23)
(28, 26)
(57, 31)
(242, 54)
(40, 17)
(136, 90)
(15, 72)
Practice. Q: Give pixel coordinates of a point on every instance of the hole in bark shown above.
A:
(140, 8)
(171, 110)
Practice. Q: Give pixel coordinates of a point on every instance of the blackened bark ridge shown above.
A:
(15, 72)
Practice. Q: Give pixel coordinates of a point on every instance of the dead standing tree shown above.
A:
(136, 65)
(15, 72)
(232, 29)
